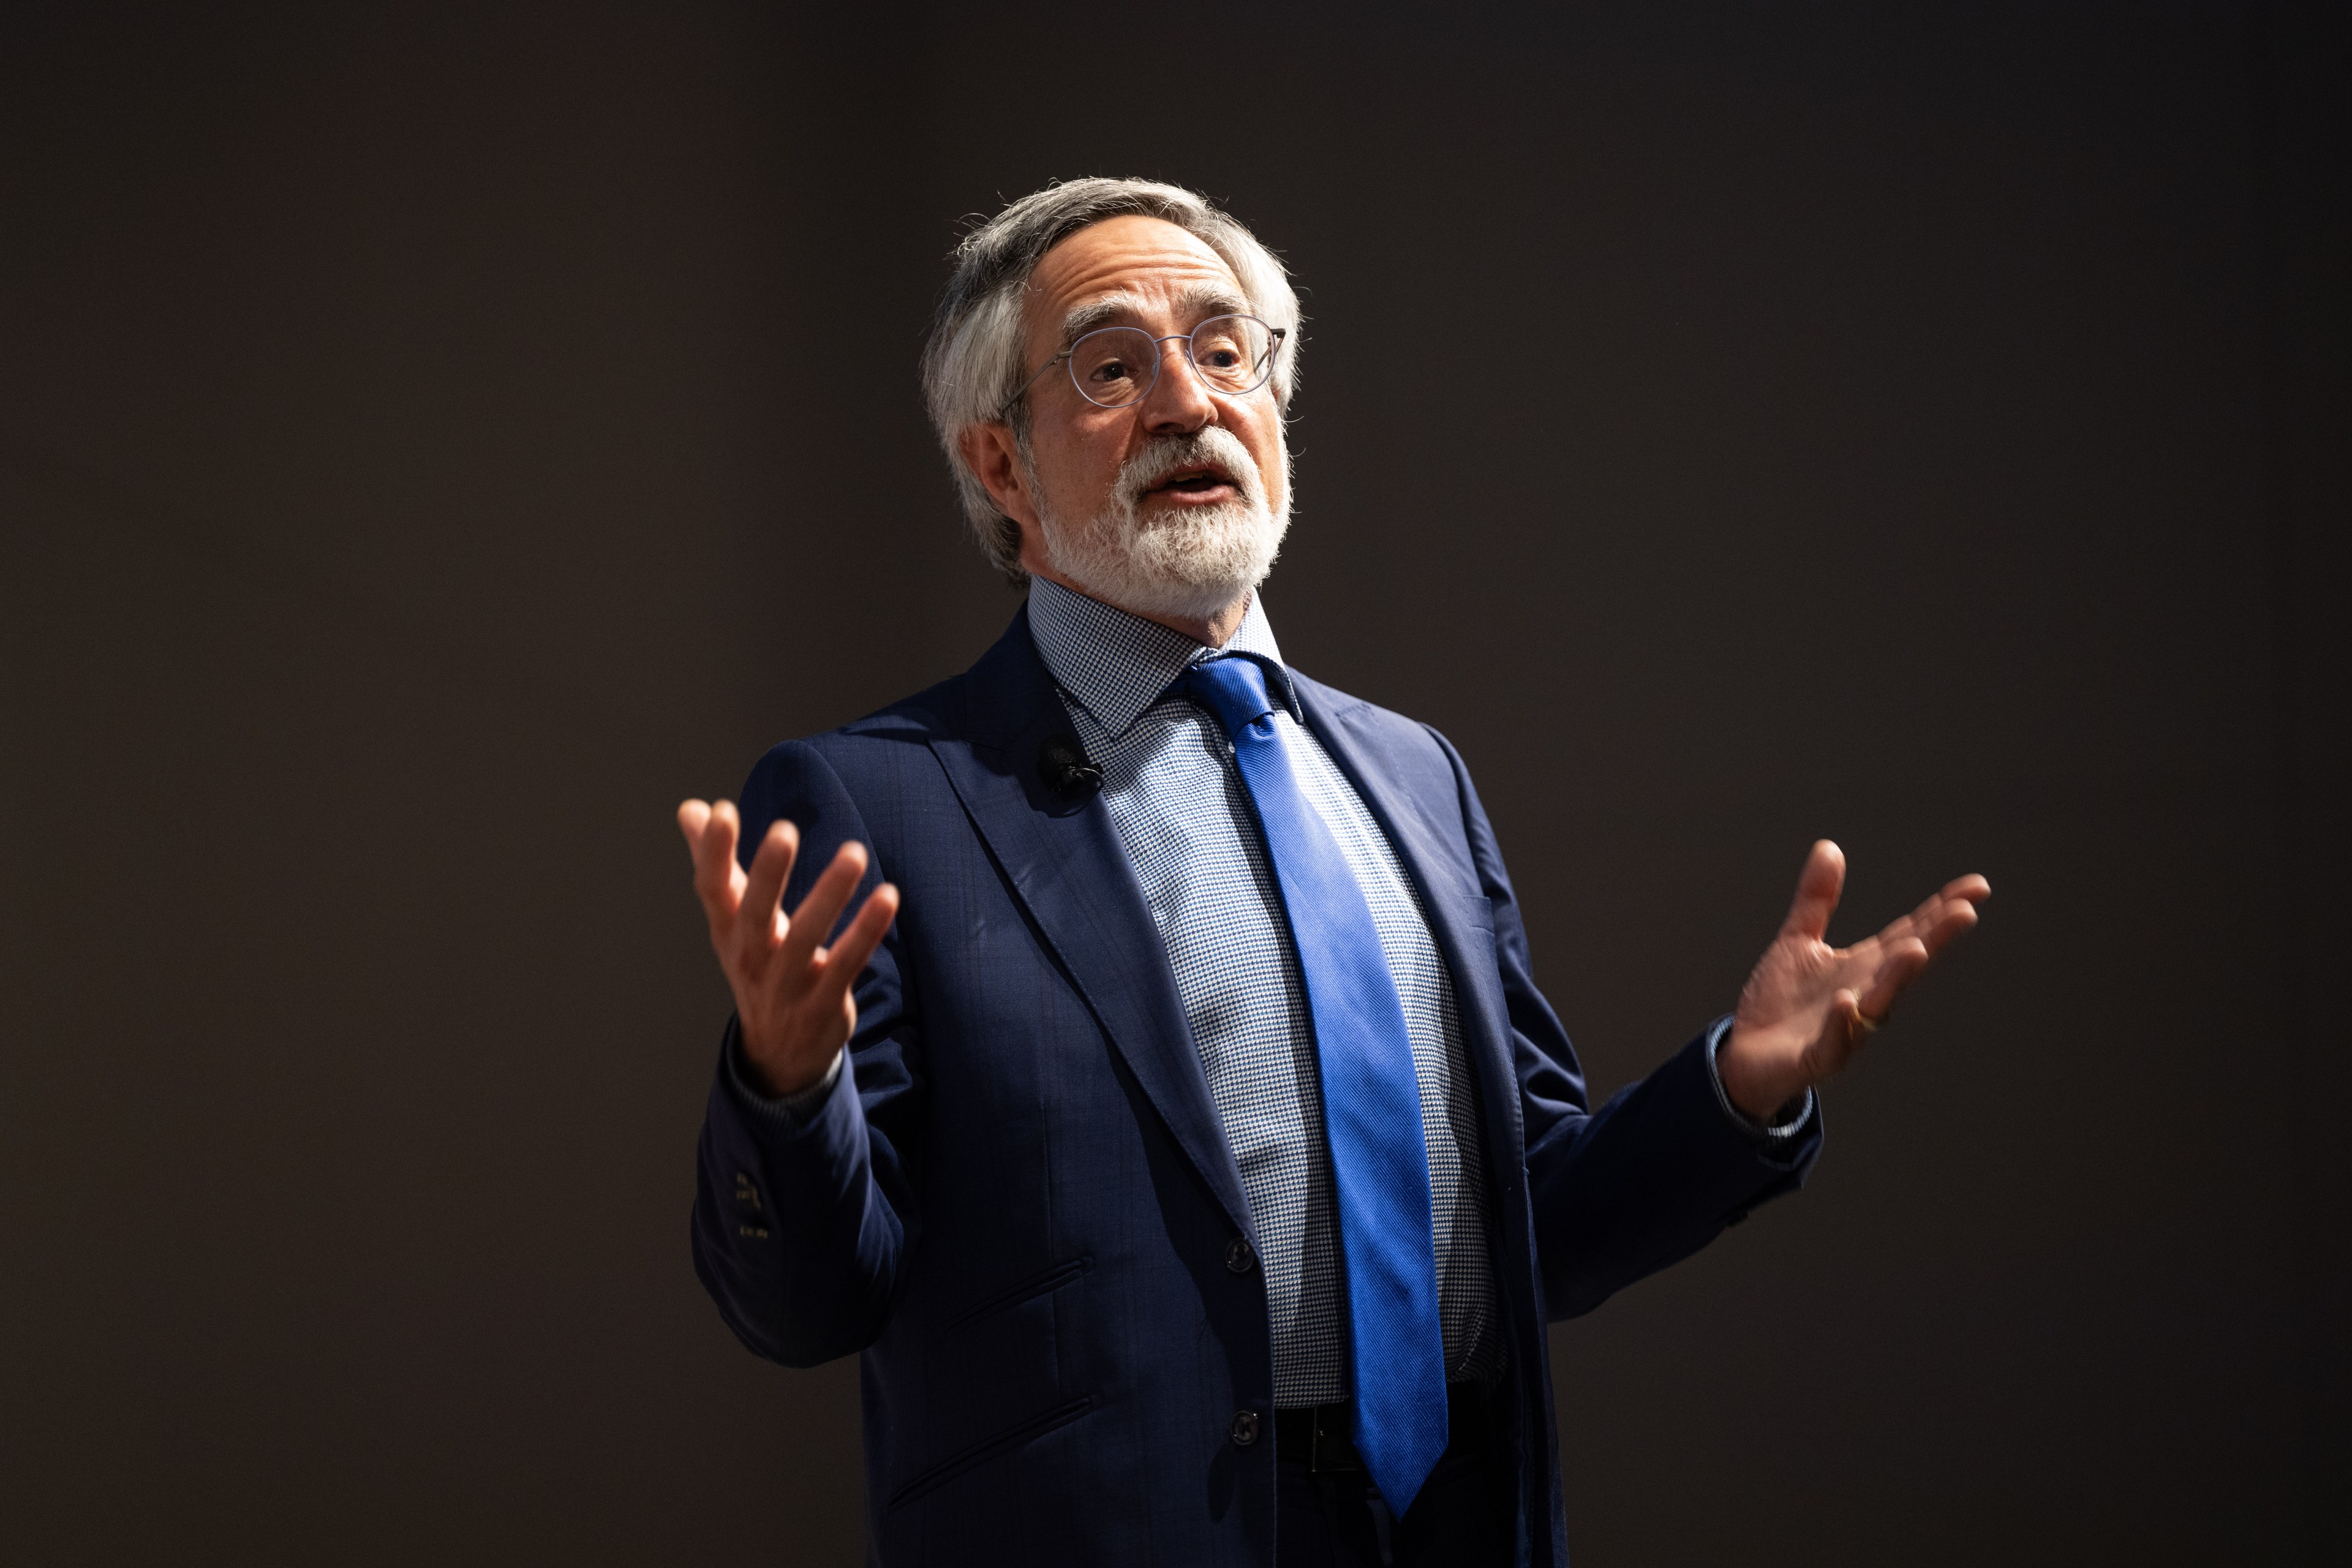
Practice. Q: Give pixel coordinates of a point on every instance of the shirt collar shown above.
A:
(1117, 664)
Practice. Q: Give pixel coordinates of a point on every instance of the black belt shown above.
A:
(1317, 1435)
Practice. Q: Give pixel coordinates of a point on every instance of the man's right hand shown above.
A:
(792, 1001)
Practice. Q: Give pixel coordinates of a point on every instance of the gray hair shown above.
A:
(973, 364)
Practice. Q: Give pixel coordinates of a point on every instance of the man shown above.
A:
(1178, 1133)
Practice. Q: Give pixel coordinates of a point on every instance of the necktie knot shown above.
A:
(1233, 688)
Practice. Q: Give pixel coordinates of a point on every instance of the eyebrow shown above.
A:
(1199, 302)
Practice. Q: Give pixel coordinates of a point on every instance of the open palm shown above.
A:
(1808, 1006)
(793, 1006)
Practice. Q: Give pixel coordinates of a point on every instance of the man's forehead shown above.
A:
(1144, 260)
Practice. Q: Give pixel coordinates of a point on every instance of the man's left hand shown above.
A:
(1809, 1007)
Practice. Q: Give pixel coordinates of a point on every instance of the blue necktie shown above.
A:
(1371, 1102)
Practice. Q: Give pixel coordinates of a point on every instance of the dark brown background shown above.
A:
(436, 438)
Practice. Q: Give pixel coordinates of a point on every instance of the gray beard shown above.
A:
(1188, 565)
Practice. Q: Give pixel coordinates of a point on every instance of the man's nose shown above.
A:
(1178, 403)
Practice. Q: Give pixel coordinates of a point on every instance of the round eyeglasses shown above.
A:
(1116, 367)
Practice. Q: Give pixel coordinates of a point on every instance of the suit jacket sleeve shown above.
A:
(801, 1224)
(1653, 1175)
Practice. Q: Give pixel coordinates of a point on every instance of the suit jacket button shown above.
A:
(1239, 1257)
(1244, 1428)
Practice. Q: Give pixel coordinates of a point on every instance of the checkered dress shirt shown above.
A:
(1181, 810)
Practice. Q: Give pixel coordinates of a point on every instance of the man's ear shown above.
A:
(991, 454)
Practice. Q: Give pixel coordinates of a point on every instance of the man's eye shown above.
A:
(1109, 371)
(1220, 359)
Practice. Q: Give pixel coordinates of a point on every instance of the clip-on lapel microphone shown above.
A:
(1062, 763)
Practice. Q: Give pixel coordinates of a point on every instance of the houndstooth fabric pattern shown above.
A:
(1181, 808)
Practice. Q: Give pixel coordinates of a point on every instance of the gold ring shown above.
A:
(1869, 1024)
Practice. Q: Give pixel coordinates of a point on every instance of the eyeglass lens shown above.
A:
(1116, 366)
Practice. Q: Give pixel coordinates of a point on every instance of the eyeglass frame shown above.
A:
(1279, 335)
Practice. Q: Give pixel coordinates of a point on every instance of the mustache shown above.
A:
(1211, 446)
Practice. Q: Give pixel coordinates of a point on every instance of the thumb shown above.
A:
(1817, 886)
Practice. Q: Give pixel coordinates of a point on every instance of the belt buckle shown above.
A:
(1343, 1458)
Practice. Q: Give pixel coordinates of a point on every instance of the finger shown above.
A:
(763, 887)
(845, 960)
(693, 817)
(1817, 886)
(1934, 922)
(1972, 888)
(1956, 916)
(1906, 928)
(813, 921)
(716, 880)
(1902, 965)
(1942, 916)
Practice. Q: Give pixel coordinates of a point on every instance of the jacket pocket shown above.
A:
(989, 1448)
(1053, 1278)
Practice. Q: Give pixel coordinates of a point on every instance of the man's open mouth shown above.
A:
(1194, 481)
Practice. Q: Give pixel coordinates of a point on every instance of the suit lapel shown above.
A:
(1450, 896)
(1067, 863)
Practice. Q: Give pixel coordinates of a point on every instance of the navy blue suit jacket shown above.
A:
(1018, 1203)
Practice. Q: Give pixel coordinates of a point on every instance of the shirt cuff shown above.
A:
(1782, 1130)
(794, 1109)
